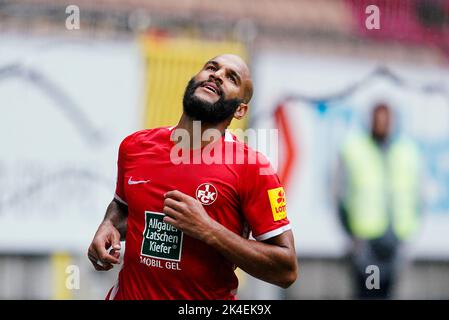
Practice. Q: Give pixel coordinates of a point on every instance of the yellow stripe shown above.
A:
(170, 64)
(59, 262)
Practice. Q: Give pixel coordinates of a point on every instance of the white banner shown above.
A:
(65, 107)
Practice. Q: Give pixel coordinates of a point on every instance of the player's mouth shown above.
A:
(212, 87)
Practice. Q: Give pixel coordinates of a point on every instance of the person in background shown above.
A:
(378, 200)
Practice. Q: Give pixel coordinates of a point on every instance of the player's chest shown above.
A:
(146, 182)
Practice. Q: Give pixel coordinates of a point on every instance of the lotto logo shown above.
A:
(281, 197)
(278, 203)
(206, 193)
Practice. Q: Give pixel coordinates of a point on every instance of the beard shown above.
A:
(208, 112)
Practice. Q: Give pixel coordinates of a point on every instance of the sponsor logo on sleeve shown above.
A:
(278, 203)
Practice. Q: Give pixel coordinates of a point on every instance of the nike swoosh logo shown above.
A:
(130, 181)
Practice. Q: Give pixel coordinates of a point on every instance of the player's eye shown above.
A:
(233, 79)
(211, 67)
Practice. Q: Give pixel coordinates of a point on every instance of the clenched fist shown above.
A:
(106, 237)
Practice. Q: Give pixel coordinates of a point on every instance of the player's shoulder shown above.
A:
(136, 139)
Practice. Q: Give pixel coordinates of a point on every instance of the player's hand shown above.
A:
(106, 237)
(187, 214)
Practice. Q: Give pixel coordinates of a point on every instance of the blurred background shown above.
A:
(76, 77)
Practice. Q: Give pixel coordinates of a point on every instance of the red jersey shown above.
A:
(161, 262)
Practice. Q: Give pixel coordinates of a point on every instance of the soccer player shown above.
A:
(186, 225)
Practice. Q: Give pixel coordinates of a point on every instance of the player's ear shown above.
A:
(241, 111)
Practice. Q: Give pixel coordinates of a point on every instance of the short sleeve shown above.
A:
(263, 200)
(121, 160)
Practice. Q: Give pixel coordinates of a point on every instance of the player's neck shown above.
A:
(195, 130)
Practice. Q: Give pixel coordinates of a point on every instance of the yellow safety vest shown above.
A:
(381, 183)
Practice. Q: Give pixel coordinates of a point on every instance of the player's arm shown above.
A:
(108, 235)
(117, 215)
(273, 260)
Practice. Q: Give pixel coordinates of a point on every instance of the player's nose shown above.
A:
(218, 75)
